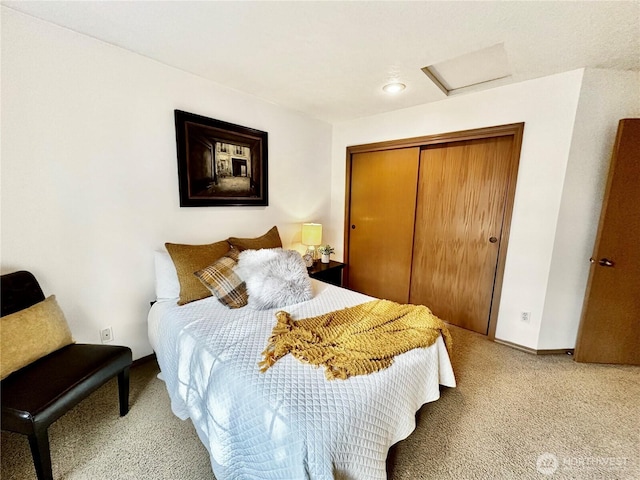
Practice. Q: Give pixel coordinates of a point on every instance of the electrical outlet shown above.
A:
(106, 335)
(525, 316)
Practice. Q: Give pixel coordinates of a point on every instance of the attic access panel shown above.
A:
(475, 68)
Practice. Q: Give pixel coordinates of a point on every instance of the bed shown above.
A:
(289, 422)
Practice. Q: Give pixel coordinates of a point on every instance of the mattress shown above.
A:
(289, 422)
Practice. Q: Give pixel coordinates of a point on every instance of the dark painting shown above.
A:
(220, 163)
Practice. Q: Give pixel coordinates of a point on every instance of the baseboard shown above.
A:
(560, 351)
(143, 360)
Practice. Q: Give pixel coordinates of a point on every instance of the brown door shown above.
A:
(380, 223)
(610, 327)
(462, 193)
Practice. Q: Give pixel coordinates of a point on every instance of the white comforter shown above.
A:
(290, 422)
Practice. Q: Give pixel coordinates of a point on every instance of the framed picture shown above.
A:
(220, 163)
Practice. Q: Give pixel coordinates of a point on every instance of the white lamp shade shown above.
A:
(311, 234)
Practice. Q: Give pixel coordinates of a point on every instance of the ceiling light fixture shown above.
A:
(394, 87)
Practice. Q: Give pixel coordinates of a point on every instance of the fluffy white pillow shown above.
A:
(167, 284)
(275, 277)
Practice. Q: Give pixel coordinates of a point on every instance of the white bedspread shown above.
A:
(290, 422)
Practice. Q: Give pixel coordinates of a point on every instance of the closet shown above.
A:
(427, 221)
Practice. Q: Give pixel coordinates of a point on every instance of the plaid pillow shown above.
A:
(220, 278)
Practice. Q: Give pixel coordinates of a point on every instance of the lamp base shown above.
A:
(311, 250)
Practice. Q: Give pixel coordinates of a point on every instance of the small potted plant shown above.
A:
(325, 251)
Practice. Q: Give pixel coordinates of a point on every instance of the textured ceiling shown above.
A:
(331, 59)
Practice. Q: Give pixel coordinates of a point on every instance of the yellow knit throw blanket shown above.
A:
(356, 340)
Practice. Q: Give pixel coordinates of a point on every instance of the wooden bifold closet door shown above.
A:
(383, 205)
(428, 224)
(461, 198)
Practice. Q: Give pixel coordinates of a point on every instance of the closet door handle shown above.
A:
(353, 227)
(493, 239)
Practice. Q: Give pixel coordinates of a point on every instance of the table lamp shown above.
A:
(312, 237)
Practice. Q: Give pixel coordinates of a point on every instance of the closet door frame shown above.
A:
(515, 130)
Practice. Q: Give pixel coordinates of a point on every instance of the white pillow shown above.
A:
(167, 284)
(275, 277)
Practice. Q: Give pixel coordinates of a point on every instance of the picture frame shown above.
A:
(220, 163)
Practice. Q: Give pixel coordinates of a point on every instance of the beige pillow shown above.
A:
(189, 259)
(31, 334)
(271, 239)
(223, 281)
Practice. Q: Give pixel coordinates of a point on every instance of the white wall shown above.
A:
(548, 108)
(606, 96)
(89, 172)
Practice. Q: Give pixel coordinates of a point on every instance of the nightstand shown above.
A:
(327, 272)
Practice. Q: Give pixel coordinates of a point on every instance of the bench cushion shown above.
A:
(32, 333)
(46, 389)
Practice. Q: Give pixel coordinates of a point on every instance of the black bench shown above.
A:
(38, 394)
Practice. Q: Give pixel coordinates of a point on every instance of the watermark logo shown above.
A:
(547, 463)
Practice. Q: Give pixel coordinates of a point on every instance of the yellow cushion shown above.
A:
(189, 259)
(31, 334)
(271, 239)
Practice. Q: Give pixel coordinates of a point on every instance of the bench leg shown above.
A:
(39, 443)
(123, 391)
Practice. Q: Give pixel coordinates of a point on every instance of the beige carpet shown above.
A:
(509, 409)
